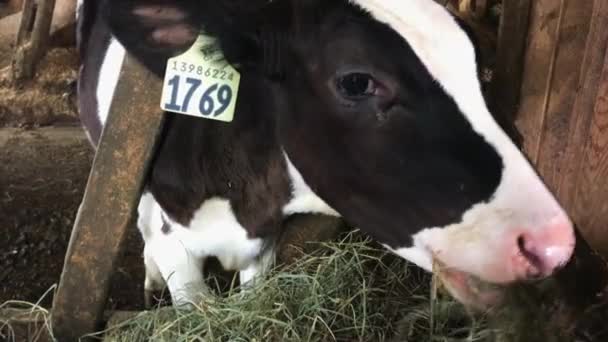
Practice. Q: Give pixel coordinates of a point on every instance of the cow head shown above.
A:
(380, 112)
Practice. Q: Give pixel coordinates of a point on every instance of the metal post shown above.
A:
(110, 201)
(27, 17)
(42, 28)
(29, 52)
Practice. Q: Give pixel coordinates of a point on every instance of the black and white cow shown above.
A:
(367, 109)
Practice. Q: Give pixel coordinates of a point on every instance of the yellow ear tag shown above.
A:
(201, 83)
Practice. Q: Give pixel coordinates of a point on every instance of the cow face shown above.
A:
(376, 135)
(380, 113)
(386, 122)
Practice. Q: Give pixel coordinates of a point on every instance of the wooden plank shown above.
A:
(24, 325)
(42, 28)
(63, 29)
(54, 136)
(33, 325)
(508, 71)
(546, 130)
(561, 112)
(27, 54)
(582, 187)
(556, 116)
(27, 17)
(109, 203)
(541, 40)
(590, 202)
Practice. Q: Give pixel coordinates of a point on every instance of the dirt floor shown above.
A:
(48, 101)
(44, 164)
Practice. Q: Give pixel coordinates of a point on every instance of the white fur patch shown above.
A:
(177, 257)
(108, 78)
(149, 220)
(215, 231)
(417, 255)
(303, 199)
(262, 265)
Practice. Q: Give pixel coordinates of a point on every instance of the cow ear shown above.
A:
(251, 33)
(152, 31)
(151, 25)
(253, 36)
(274, 55)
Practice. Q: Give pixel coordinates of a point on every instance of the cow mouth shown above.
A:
(469, 289)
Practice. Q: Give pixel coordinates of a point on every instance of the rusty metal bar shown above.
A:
(117, 177)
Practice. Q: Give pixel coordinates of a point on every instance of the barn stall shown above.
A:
(549, 77)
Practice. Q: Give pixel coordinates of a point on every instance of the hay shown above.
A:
(353, 290)
(32, 321)
(348, 291)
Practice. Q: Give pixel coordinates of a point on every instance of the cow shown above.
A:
(370, 110)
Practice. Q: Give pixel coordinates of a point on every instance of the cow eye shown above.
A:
(356, 86)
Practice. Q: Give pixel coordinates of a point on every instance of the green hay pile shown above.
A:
(348, 291)
(353, 291)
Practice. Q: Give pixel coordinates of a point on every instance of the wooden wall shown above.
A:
(563, 112)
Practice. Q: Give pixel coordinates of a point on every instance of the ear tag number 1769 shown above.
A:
(200, 83)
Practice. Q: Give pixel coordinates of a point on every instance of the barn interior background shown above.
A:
(546, 67)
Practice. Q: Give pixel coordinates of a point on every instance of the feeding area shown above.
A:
(317, 148)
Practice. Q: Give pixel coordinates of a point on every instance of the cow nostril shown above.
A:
(533, 267)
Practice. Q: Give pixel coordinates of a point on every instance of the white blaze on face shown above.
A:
(485, 242)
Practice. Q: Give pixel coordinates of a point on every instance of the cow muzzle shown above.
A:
(523, 255)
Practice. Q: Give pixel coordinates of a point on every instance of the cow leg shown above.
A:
(167, 259)
(181, 269)
(154, 280)
(257, 269)
(149, 223)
